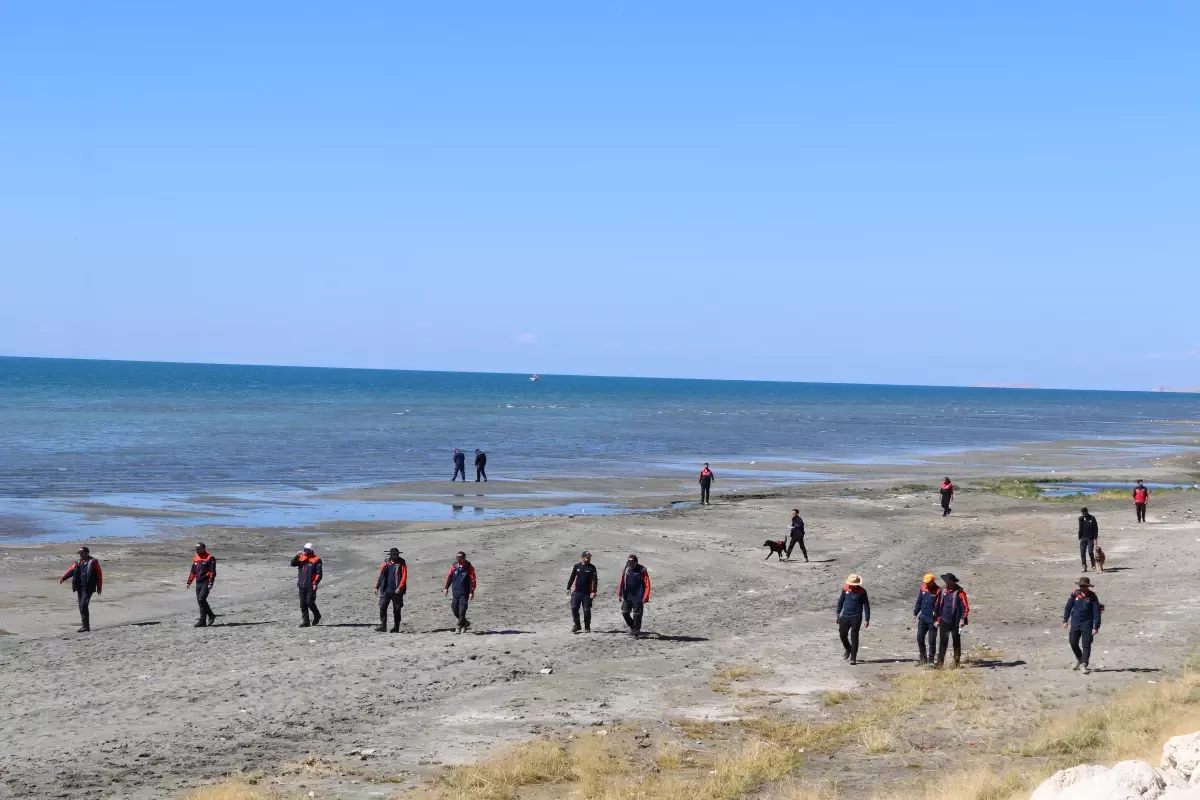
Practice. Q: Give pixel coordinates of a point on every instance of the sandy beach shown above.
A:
(148, 706)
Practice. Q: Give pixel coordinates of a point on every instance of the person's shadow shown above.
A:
(1127, 669)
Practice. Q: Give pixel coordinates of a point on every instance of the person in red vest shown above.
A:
(706, 482)
(204, 573)
(1140, 495)
(391, 585)
(309, 572)
(86, 580)
(947, 492)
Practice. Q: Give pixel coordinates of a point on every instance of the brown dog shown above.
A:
(1100, 557)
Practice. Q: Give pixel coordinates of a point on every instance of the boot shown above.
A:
(84, 629)
(396, 628)
(316, 618)
(381, 628)
(201, 623)
(587, 622)
(211, 618)
(305, 624)
(576, 628)
(466, 623)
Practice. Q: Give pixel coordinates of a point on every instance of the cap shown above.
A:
(1084, 581)
(84, 549)
(950, 576)
(460, 553)
(308, 546)
(854, 579)
(201, 545)
(395, 551)
(929, 577)
(632, 558)
(586, 554)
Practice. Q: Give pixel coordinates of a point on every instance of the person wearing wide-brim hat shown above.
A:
(853, 611)
(953, 613)
(390, 586)
(1082, 618)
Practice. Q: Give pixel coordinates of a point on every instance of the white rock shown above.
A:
(1180, 794)
(1181, 757)
(1128, 780)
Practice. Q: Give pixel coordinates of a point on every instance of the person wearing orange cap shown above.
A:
(86, 580)
(203, 574)
(925, 611)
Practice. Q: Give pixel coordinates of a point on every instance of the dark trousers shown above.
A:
(480, 472)
(632, 612)
(308, 603)
(704, 489)
(459, 471)
(85, 617)
(1087, 549)
(947, 633)
(458, 605)
(927, 640)
(202, 590)
(1141, 511)
(581, 601)
(1081, 645)
(396, 601)
(797, 540)
(945, 506)
(848, 628)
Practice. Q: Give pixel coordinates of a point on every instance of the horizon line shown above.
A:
(977, 386)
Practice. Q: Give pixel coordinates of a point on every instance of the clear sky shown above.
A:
(893, 192)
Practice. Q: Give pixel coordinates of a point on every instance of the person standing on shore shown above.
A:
(1141, 495)
(853, 611)
(203, 574)
(308, 575)
(1082, 618)
(634, 592)
(460, 579)
(796, 536)
(1089, 532)
(86, 579)
(953, 611)
(947, 492)
(706, 482)
(480, 466)
(391, 585)
(582, 585)
(925, 611)
(460, 466)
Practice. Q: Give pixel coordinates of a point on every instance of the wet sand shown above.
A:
(146, 705)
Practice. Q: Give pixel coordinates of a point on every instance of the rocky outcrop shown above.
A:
(1177, 777)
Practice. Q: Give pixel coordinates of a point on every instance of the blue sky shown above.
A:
(946, 193)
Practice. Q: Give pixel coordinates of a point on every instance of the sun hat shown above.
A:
(928, 577)
(951, 577)
(854, 579)
(395, 551)
(1084, 581)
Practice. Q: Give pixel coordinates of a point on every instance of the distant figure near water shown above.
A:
(480, 466)
(1140, 495)
(706, 482)
(947, 492)
(460, 465)
(86, 579)
(1089, 533)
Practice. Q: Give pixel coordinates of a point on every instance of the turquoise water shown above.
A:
(69, 427)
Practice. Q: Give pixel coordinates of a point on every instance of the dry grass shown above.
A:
(316, 767)
(697, 728)
(232, 791)
(877, 741)
(722, 682)
(979, 784)
(836, 697)
(499, 778)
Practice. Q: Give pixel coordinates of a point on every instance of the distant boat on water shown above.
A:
(535, 378)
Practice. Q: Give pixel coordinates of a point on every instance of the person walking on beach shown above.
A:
(203, 574)
(460, 579)
(1089, 532)
(1140, 496)
(634, 593)
(86, 579)
(947, 492)
(706, 482)
(390, 585)
(925, 611)
(583, 586)
(460, 466)
(1082, 618)
(796, 536)
(480, 466)
(953, 611)
(308, 576)
(853, 612)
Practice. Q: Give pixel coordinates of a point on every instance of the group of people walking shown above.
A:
(460, 466)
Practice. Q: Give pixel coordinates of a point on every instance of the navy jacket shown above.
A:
(925, 608)
(393, 578)
(635, 585)
(1089, 528)
(481, 459)
(308, 570)
(460, 580)
(86, 576)
(1083, 610)
(853, 602)
(953, 607)
(797, 528)
(460, 459)
(584, 579)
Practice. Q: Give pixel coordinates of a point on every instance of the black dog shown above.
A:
(777, 548)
